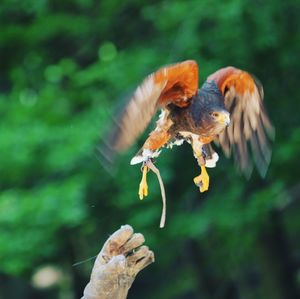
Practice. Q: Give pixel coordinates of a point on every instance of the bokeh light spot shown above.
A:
(107, 51)
(46, 277)
(28, 97)
(53, 73)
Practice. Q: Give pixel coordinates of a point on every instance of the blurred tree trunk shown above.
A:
(209, 285)
(206, 284)
(71, 249)
(278, 273)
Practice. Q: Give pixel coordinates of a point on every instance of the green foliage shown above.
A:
(65, 68)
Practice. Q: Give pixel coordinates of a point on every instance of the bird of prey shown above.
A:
(228, 109)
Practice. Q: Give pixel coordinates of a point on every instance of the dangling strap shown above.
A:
(163, 193)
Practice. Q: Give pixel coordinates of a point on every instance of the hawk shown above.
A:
(228, 110)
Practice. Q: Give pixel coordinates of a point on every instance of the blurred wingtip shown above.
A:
(271, 133)
(263, 167)
(106, 155)
(246, 171)
(107, 148)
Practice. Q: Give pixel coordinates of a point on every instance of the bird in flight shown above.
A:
(228, 110)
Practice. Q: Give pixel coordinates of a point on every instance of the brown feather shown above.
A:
(138, 113)
(171, 84)
(182, 83)
(243, 97)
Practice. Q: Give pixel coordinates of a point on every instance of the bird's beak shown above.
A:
(223, 118)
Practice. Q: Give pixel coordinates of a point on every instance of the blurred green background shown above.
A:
(65, 68)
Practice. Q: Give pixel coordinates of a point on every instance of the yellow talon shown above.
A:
(143, 190)
(202, 180)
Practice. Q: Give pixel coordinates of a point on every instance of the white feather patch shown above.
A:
(177, 142)
(211, 163)
(145, 156)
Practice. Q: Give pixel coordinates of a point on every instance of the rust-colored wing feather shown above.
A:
(250, 125)
(171, 84)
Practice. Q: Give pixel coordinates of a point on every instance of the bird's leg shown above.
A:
(143, 189)
(202, 180)
(150, 150)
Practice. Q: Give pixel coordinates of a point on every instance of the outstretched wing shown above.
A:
(171, 84)
(250, 125)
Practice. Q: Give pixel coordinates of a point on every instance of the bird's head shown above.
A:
(209, 111)
(220, 117)
(215, 120)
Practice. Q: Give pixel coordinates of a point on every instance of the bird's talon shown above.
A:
(143, 189)
(202, 180)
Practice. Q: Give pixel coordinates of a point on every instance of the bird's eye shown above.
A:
(215, 114)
